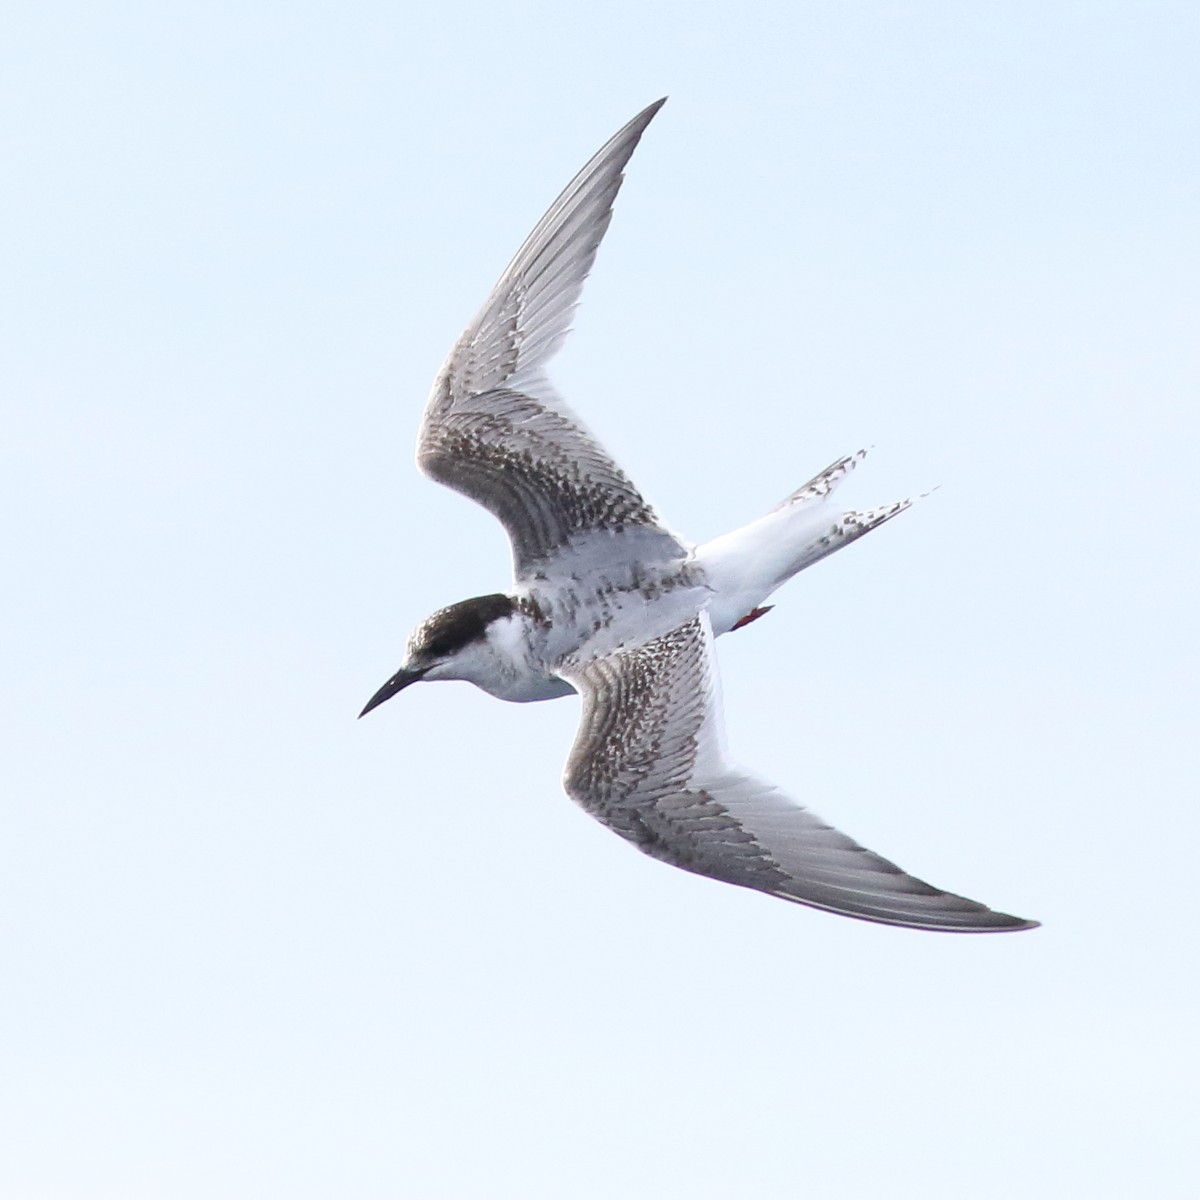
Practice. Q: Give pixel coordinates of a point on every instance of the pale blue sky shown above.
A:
(252, 947)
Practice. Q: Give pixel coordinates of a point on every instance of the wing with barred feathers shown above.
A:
(648, 763)
(495, 429)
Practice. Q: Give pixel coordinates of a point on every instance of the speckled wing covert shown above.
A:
(649, 763)
(494, 428)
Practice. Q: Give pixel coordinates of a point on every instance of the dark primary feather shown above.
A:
(647, 762)
(494, 429)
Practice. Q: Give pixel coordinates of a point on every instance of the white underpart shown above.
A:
(519, 661)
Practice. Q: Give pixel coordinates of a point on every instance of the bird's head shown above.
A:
(452, 643)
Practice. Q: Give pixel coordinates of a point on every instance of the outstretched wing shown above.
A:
(494, 428)
(648, 763)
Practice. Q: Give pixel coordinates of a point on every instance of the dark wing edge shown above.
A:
(495, 429)
(527, 316)
(648, 763)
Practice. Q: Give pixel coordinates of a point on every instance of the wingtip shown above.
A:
(992, 922)
(646, 115)
(1008, 925)
(998, 922)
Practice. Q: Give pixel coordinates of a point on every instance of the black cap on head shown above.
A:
(450, 629)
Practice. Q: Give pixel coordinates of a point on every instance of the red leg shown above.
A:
(752, 615)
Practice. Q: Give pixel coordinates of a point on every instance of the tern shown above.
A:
(609, 603)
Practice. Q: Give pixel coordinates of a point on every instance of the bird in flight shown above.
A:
(607, 602)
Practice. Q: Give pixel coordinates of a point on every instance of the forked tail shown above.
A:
(744, 567)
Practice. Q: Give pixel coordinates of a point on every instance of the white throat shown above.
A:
(505, 663)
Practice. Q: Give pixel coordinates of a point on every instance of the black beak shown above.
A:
(397, 683)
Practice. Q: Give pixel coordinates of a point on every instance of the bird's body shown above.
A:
(608, 602)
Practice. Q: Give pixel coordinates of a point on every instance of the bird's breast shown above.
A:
(586, 612)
